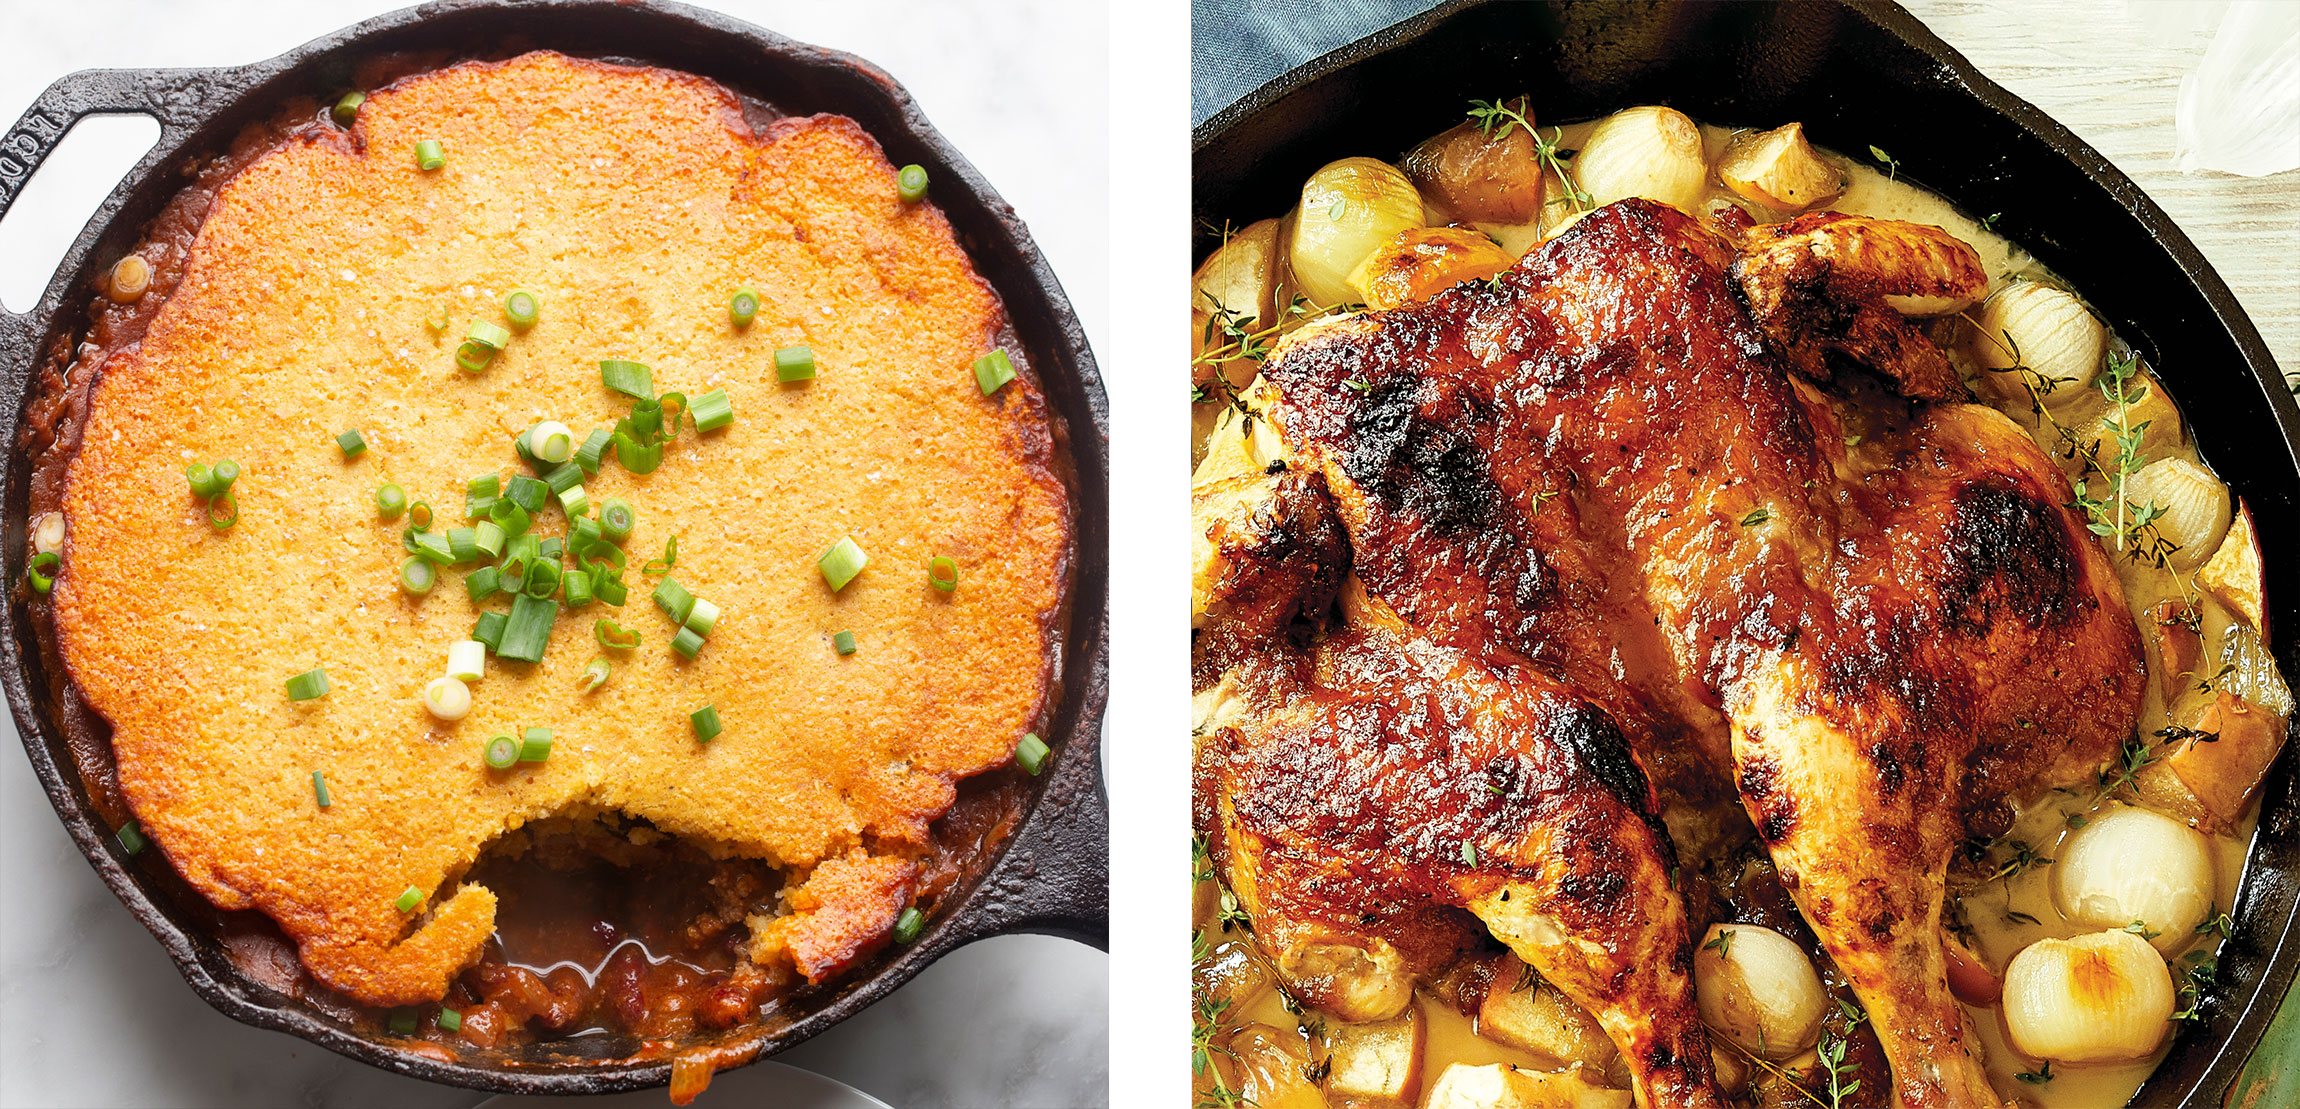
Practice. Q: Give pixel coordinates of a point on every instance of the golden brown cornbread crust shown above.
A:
(633, 201)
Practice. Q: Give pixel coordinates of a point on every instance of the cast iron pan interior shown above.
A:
(1859, 74)
(1051, 875)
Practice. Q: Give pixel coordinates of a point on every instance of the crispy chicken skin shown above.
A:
(1371, 787)
(1828, 288)
(1599, 469)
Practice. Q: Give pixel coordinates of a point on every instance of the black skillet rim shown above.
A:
(1050, 874)
(2239, 1013)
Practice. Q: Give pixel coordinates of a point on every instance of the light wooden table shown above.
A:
(2107, 71)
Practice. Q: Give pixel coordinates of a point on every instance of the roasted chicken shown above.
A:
(1606, 478)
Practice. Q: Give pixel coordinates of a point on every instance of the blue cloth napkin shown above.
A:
(1235, 45)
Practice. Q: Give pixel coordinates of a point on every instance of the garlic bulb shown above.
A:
(1424, 261)
(2129, 864)
(2100, 998)
(1652, 152)
(2195, 507)
(2048, 330)
(1758, 987)
(1780, 170)
(1348, 208)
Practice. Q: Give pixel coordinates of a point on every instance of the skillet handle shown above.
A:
(1055, 876)
(178, 98)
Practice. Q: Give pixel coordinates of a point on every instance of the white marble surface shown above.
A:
(93, 1014)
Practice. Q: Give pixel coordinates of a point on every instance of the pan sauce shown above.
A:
(1237, 989)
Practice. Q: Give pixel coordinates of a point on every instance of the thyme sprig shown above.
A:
(1831, 1051)
(2037, 1077)
(1721, 943)
(2195, 980)
(1489, 115)
(2113, 515)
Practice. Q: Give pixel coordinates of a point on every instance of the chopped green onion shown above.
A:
(703, 616)
(628, 378)
(794, 364)
(553, 442)
(483, 583)
(993, 370)
(132, 838)
(542, 579)
(466, 660)
(528, 630)
(474, 358)
(390, 501)
(41, 572)
(351, 443)
(524, 444)
(713, 410)
(307, 685)
(843, 642)
(463, 544)
(1031, 753)
(417, 576)
(223, 512)
(403, 1020)
(522, 308)
(667, 563)
(674, 410)
(613, 635)
(567, 476)
(429, 156)
(610, 588)
(203, 481)
(319, 789)
(407, 902)
(674, 600)
(489, 335)
(526, 492)
(435, 548)
(743, 307)
(526, 548)
(943, 573)
(450, 1020)
(419, 516)
(509, 517)
(447, 698)
(346, 110)
(603, 551)
(595, 675)
(488, 537)
(841, 563)
(594, 449)
(616, 519)
(227, 472)
(482, 488)
(908, 925)
(552, 548)
(500, 752)
(489, 629)
(687, 642)
(646, 421)
(910, 184)
(578, 585)
(582, 532)
(706, 722)
(637, 459)
(535, 745)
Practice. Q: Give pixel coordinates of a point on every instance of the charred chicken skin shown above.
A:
(1605, 475)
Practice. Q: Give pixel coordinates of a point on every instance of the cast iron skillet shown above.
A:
(1860, 73)
(1051, 874)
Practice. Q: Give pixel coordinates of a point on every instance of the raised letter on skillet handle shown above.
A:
(178, 98)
